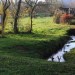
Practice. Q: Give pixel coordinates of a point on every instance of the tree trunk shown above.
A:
(16, 18)
(3, 25)
(31, 23)
(15, 26)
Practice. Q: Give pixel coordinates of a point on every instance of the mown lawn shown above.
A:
(26, 54)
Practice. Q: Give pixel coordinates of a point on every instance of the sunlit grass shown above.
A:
(40, 25)
(21, 54)
(44, 30)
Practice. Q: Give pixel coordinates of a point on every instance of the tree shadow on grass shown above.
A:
(32, 45)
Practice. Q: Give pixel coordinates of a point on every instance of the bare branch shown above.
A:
(31, 3)
(6, 4)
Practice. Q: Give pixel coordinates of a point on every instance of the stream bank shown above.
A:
(48, 48)
(59, 56)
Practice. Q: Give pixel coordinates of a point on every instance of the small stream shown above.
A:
(58, 57)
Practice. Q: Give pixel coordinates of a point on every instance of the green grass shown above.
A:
(42, 42)
(31, 45)
(70, 57)
(21, 54)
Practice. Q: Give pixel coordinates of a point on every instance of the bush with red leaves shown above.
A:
(65, 18)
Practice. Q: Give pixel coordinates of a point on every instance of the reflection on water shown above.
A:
(58, 57)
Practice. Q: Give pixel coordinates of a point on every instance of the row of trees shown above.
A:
(15, 10)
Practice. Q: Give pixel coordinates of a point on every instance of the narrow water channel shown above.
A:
(58, 57)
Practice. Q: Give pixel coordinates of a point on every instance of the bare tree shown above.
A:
(6, 4)
(32, 5)
(16, 17)
(15, 13)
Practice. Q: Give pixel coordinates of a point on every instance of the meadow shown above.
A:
(26, 54)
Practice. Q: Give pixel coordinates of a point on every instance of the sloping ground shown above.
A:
(18, 56)
(22, 54)
(26, 66)
(70, 57)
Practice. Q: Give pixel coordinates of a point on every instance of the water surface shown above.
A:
(58, 57)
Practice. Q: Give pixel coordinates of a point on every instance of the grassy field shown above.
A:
(26, 54)
(43, 41)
